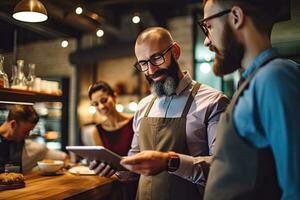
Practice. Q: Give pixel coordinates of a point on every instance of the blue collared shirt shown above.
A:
(268, 114)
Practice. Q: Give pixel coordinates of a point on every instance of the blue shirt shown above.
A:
(267, 114)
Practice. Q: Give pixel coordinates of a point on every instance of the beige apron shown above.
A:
(166, 134)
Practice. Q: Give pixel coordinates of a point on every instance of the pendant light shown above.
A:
(30, 11)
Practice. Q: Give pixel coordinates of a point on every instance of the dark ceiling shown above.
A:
(113, 16)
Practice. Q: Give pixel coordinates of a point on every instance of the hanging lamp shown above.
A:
(30, 11)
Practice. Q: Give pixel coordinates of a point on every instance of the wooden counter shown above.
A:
(65, 186)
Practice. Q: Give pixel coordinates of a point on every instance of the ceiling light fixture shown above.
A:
(30, 11)
(64, 43)
(205, 68)
(136, 19)
(100, 33)
(78, 10)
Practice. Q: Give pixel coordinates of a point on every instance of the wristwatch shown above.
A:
(173, 162)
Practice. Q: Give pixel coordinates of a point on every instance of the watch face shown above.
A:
(173, 163)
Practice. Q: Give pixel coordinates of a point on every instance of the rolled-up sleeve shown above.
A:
(213, 120)
(196, 168)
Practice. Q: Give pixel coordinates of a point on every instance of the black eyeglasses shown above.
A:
(202, 24)
(156, 60)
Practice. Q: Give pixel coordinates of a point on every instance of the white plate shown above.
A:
(82, 170)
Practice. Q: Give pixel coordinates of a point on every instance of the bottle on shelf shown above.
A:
(31, 76)
(13, 73)
(19, 80)
(3, 76)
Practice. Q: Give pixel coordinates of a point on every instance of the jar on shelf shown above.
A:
(19, 80)
(31, 76)
(3, 76)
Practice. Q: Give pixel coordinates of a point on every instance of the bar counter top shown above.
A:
(64, 186)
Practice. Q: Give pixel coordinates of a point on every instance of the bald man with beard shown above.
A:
(174, 126)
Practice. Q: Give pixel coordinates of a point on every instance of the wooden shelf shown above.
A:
(15, 95)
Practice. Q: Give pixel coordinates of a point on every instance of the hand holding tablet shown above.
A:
(98, 153)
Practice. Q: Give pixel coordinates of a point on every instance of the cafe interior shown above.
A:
(75, 43)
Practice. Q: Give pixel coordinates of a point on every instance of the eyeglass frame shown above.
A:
(202, 24)
(162, 54)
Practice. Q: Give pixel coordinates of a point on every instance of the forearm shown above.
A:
(55, 155)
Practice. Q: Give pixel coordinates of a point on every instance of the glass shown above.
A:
(202, 24)
(3, 76)
(156, 60)
(19, 80)
(12, 167)
(31, 76)
(13, 73)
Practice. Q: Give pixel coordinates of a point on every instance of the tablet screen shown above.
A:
(98, 153)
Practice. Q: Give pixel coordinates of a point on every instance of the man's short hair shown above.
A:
(264, 13)
(23, 113)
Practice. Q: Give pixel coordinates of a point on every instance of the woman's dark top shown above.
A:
(118, 141)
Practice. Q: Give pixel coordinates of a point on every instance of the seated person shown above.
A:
(34, 152)
(20, 121)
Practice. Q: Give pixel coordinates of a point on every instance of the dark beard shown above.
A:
(232, 54)
(167, 86)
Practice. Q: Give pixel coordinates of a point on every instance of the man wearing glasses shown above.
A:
(179, 116)
(257, 153)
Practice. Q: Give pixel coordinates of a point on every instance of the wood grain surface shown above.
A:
(64, 186)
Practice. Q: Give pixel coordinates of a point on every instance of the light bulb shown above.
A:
(64, 43)
(132, 106)
(100, 33)
(205, 68)
(92, 109)
(78, 10)
(119, 107)
(136, 19)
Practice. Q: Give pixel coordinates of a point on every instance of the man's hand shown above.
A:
(147, 163)
(101, 168)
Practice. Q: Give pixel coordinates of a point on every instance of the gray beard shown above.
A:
(165, 87)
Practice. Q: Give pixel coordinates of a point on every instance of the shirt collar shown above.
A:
(184, 82)
(261, 58)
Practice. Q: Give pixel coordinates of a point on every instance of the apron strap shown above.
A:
(150, 106)
(190, 100)
(245, 84)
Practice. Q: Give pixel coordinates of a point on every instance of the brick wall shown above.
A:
(182, 31)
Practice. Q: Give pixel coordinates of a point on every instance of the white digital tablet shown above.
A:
(99, 153)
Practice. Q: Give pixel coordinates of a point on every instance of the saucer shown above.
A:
(81, 170)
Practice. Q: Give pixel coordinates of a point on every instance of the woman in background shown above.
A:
(116, 132)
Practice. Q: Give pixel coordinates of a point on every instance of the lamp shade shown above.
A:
(30, 11)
